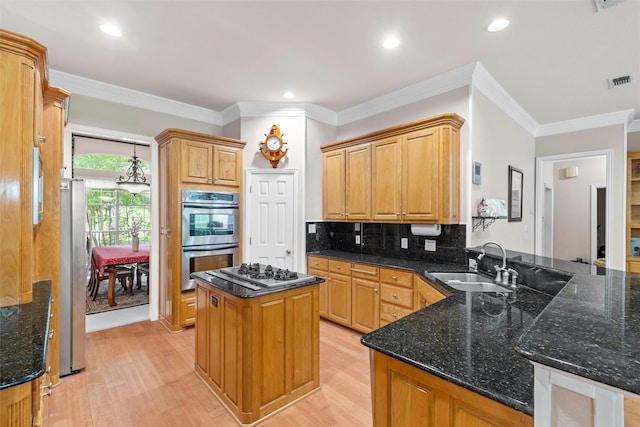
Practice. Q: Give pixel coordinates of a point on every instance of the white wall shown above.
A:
(572, 203)
(608, 137)
(318, 134)
(497, 143)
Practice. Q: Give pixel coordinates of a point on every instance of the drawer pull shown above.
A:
(373, 273)
(394, 277)
(395, 315)
(395, 296)
(338, 267)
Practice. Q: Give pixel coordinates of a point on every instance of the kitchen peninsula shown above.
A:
(461, 359)
(257, 348)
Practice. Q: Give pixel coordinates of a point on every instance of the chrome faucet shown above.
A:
(502, 274)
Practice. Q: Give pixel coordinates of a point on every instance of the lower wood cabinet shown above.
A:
(405, 396)
(365, 297)
(188, 309)
(258, 354)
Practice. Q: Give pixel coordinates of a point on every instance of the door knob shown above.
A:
(288, 252)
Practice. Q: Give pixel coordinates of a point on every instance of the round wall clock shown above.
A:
(272, 147)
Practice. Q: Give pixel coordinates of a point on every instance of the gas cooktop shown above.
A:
(250, 275)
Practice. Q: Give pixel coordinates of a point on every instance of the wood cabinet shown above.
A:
(408, 173)
(365, 304)
(365, 297)
(23, 78)
(319, 267)
(407, 396)
(347, 186)
(425, 293)
(339, 292)
(194, 161)
(260, 354)
(396, 295)
(633, 211)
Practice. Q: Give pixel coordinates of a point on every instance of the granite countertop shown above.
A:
(589, 326)
(591, 329)
(24, 339)
(241, 291)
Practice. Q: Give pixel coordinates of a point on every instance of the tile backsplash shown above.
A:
(386, 239)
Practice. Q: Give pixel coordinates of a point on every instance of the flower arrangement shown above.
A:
(134, 228)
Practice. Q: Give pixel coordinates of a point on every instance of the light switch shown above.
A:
(404, 243)
(357, 239)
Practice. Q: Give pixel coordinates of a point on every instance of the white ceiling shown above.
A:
(554, 59)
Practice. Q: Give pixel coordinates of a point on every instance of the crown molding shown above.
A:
(272, 109)
(112, 93)
(448, 81)
(485, 83)
(623, 117)
(634, 126)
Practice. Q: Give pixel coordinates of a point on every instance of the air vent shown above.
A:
(620, 81)
(604, 4)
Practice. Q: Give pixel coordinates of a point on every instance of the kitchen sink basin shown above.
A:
(470, 282)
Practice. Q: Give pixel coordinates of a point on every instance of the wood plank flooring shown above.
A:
(142, 375)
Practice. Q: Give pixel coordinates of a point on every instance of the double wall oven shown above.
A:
(210, 232)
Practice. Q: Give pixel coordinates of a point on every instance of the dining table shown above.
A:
(109, 257)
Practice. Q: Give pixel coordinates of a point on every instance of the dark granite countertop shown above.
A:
(591, 329)
(241, 291)
(24, 339)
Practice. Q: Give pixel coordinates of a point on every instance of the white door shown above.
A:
(271, 220)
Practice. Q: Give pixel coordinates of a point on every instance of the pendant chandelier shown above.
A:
(134, 180)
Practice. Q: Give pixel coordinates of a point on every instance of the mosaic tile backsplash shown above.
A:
(385, 240)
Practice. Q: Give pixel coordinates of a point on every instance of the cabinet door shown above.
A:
(365, 305)
(333, 188)
(197, 162)
(323, 289)
(386, 179)
(358, 182)
(425, 294)
(165, 266)
(227, 166)
(420, 176)
(340, 298)
(215, 310)
(202, 328)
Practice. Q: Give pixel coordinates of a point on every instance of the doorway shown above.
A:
(271, 218)
(564, 208)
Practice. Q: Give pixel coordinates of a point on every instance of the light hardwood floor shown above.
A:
(142, 375)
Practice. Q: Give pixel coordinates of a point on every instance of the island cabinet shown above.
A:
(347, 183)
(408, 173)
(257, 354)
(404, 395)
(188, 161)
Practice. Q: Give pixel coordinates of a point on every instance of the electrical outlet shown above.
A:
(430, 245)
(312, 228)
(473, 264)
(357, 239)
(404, 243)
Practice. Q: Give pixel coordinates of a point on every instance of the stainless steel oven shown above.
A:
(210, 232)
(210, 218)
(201, 258)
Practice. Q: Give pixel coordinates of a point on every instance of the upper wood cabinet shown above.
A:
(212, 162)
(347, 184)
(408, 173)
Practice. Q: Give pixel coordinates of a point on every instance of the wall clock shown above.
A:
(272, 147)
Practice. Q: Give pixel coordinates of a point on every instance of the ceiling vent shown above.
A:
(604, 4)
(620, 81)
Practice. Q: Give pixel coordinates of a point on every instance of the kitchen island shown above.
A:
(257, 349)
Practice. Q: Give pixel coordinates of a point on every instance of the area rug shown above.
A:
(123, 299)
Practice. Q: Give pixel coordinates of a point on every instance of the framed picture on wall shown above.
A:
(515, 194)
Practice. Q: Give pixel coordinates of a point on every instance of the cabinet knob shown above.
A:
(404, 213)
(375, 290)
(210, 178)
(395, 315)
(41, 139)
(338, 267)
(51, 334)
(395, 296)
(394, 277)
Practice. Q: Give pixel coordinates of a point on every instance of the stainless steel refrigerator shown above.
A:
(73, 275)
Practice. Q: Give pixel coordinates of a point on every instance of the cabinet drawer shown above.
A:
(390, 313)
(633, 266)
(342, 267)
(365, 271)
(396, 295)
(396, 277)
(318, 263)
(188, 310)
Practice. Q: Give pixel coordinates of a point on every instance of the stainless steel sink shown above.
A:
(470, 282)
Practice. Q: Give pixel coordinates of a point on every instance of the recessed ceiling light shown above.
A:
(111, 29)
(498, 25)
(390, 43)
(289, 95)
